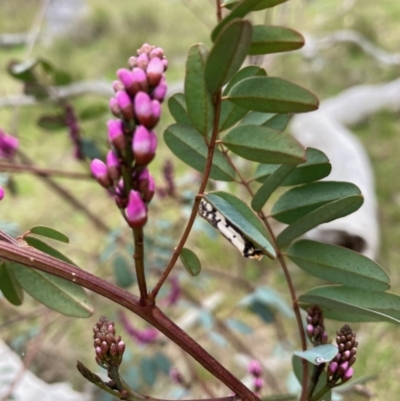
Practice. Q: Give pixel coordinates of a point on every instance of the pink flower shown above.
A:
(136, 210)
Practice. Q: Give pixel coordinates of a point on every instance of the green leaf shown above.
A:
(93, 111)
(353, 304)
(261, 5)
(162, 362)
(123, 273)
(339, 265)
(268, 39)
(54, 122)
(238, 213)
(90, 149)
(230, 113)
(198, 100)
(189, 146)
(277, 122)
(269, 186)
(245, 72)
(149, 370)
(272, 95)
(299, 201)
(45, 248)
(328, 212)
(315, 168)
(317, 355)
(178, 110)
(264, 145)
(240, 10)
(191, 262)
(9, 285)
(228, 53)
(298, 371)
(56, 293)
(49, 233)
(23, 71)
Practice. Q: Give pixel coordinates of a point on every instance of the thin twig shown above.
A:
(139, 264)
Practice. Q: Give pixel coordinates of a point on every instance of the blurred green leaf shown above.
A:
(90, 149)
(353, 304)
(269, 186)
(228, 53)
(261, 5)
(54, 122)
(162, 362)
(23, 71)
(191, 262)
(299, 201)
(338, 265)
(268, 39)
(95, 110)
(189, 146)
(178, 110)
(328, 212)
(263, 145)
(56, 293)
(239, 326)
(315, 168)
(9, 285)
(148, 369)
(320, 354)
(237, 212)
(123, 272)
(49, 233)
(272, 95)
(199, 105)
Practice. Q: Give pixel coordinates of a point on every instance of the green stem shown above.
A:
(321, 392)
(139, 264)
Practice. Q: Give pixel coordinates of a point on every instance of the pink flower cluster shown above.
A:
(139, 93)
(255, 370)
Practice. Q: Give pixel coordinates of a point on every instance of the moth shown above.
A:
(232, 233)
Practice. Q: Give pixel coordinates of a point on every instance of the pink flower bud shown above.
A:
(116, 134)
(165, 63)
(125, 104)
(142, 61)
(157, 52)
(104, 347)
(114, 169)
(136, 211)
(114, 107)
(144, 145)
(160, 91)
(255, 368)
(8, 145)
(2, 193)
(132, 62)
(118, 86)
(126, 77)
(342, 368)
(154, 71)
(100, 172)
(146, 48)
(121, 348)
(332, 368)
(146, 185)
(156, 109)
(139, 80)
(143, 107)
(258, 383)
(310, 330)
(348, 375)
(113, 349)
(99, 354)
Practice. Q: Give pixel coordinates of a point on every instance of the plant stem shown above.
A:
(152, 314)
(139, 264)
(189, 225)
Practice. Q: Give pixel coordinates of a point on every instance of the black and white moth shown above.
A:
(232, 233)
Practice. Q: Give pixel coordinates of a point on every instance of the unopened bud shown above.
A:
(136, 211)
(154, 71)
(144, 110)
(114, 169)
(254, 368)
(332, 368)
(114, 107)
(116, 134)
(125, 105)
(100, 172)
(157, 52)
(142, 61)
(160, 91)
(144, 145)
(348, 375)
(2, 193)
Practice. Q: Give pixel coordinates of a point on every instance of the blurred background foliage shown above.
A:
(101, 42)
